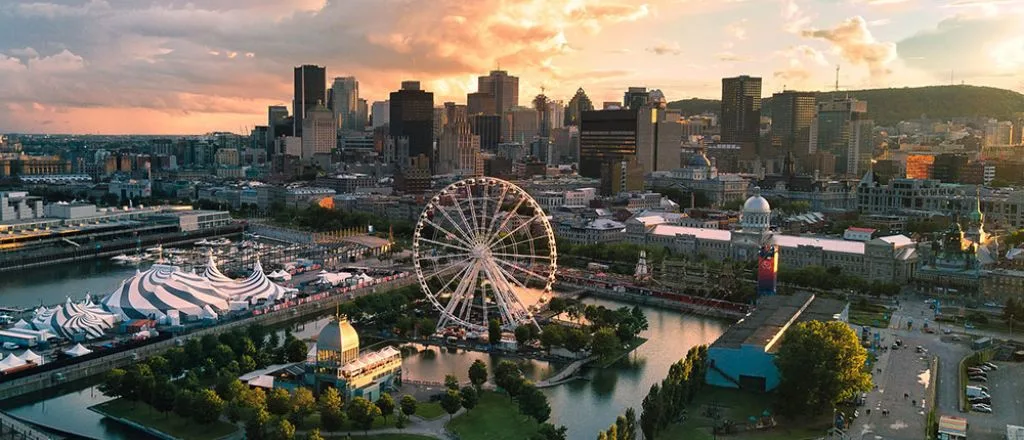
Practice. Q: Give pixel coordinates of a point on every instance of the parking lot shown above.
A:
(898, 405)
(1006, 385)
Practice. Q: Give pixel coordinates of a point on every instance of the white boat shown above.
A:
(120, 258)
(204, 242)
(220, 242)
(10, 346)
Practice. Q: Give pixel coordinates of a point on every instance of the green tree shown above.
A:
(576, 340)
(522, 334)
(386, 405)
(362, 413)
(548, 431)
(207, 407)
(451, 382)
(163, 396)
(469, 397)
(228, 387)
(534, 403)
(112, 384)
(602, 436)
(494, 332)
(159, 365)
(820, 364)
(408, 405)
(282, 430)
(296, 350)
(255, 424)
(451, 402)
(651, 416)
(553, 335)
(183, 403)
(478, 373)
(279, 402)
(314, 434)
(605, 343)
(631, 423)
(506, 373)
(302, 404)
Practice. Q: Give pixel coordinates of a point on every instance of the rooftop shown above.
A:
(774, 314)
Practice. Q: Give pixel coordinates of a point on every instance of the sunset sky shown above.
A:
(187, 67)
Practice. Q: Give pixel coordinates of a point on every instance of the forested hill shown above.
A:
(889, 106)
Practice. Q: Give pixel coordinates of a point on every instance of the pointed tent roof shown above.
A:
(31, 356)
(77, 350)
(11, 361)
(22, 324)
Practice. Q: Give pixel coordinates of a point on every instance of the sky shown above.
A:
(190, 67)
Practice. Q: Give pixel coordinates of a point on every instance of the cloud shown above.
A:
(731, 57)
(852, 40)
(799, 65)
(973, 47)
(666, 48)
(166, 55)
(737, 30)
(793, 17)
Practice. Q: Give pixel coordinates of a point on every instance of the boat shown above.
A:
(204, 242)
(220, 242)
(120, 258)
(11, 346)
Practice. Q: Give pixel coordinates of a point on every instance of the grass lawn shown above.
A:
(738, 406)
(495, 418)
(170, 423)
(429, 410)
(869, 314)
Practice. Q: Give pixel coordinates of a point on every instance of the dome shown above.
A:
(338, 335)
(757, 204)
(699, 160)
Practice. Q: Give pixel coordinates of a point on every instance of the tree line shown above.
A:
(605, 333)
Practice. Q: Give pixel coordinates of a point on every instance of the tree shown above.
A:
(282, 430)
(228, 387)
(576, 340)
(451, 402)
(522, 334)
(650, 418)
(553, 335)
(163, 396)
(605, 343)
(207, 407)
(255, 424)
(505, 374)
(159, 365)
(820, 364)
(631, 423)
(548, 431)
(302, 404)
(183, 403)
(295, 351)
(279, 402)
(362, 413)
(314, 434)
(112, 383)
(602, 436)
(451, 382)
(534, 403)
(494, 332)
(408, 405)
(478, 373)
(469, 397)
(386, 405)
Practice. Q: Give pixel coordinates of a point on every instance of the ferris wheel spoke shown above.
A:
(449, 245)
(461, 265)
(448, 233)
(467, 237)
(462, 214)
(526, 257)
(438, 257)
(507, 218)
(472, 212)
(513, 304)
(522, 269)
(502, 286)
(464, 287)
(496, 238)
(497, 210)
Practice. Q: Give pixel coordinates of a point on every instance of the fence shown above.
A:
(14, 430)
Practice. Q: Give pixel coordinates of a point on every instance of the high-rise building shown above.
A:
(635, 98)
(458, 149)
(607, 139)
(741, 110)
(481, 103)
(520, 125)
(659, 137)
(949, 167)
(345, 102)
(843, 129)
(503, 87)
(277, 126)
(998, 133)
(919, 166)
(579, 103)
(319, 132)
(310, 89)
(488, 127)
(792, 115)
(362, 114)
(412, 116)
(380, 113)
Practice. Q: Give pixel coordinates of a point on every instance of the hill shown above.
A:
(889, 106)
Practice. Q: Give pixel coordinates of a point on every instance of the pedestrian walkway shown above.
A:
(564, 375)
(417, 425)
(11, 428)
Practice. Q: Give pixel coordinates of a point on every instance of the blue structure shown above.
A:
(744, 356)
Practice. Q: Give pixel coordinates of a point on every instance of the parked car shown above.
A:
(975, 370)
(978, 379)
(982, 400)
(947, 331)
(981, 407)
(985, 367)
(991, 365)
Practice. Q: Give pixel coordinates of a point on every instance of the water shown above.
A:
(51, 285)
(583, 406)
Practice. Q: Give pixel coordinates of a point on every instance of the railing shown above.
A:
(15, 430)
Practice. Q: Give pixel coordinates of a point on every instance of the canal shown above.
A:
(584, 406)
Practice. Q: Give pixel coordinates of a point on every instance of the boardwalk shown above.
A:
(566, 373)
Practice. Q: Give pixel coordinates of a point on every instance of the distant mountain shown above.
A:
(889, 106)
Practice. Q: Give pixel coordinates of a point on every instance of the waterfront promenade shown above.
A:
(45, 379)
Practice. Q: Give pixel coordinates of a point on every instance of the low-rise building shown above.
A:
(591, 232)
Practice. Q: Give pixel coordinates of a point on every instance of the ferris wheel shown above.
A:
(480, 248)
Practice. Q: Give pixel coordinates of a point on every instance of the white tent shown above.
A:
(208, 312)
(22, 324)
(10, 362)
(77, 350)
(31, 356)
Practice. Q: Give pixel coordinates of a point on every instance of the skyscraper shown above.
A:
(380, 113)
(577, 105)
(659, 137)
(458, 149)
(345, 102)
(412, 116)
(310, 89)
(635, 98)
(320, 132)
(607, 140)
(741, 110)
(792, 115)
(843, 129)
(503, 87)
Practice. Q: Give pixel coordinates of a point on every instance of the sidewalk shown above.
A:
(417, 425)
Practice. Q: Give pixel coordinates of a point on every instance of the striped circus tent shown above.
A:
(71, 319)
(253, 289)
(162, 288)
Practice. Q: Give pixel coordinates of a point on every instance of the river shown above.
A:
(584, 406)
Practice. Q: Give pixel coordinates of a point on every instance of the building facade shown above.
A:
(310, 89)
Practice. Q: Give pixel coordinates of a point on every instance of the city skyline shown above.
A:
(109, 67)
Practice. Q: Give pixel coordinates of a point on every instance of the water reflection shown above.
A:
(65, 408)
